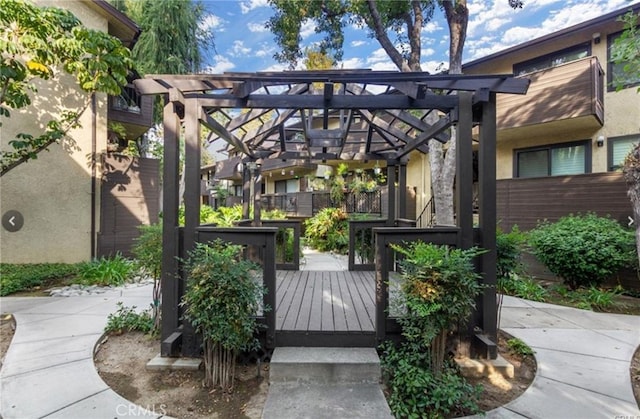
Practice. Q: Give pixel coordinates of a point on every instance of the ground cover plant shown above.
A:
(21, 277)
(104, 271)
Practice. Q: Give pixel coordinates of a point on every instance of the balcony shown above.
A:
(133, 111)
(569, 96)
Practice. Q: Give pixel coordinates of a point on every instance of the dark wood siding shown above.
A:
(130, 196)
(526, 201)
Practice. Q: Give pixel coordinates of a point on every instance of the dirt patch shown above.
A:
(7, 329)
(498, 389)
(121, 362)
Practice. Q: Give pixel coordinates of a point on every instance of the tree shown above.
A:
(404, 18)
(36, 43)
(172, 41)
(625, 52)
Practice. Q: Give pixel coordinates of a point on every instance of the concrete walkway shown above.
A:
(48, 370)
(583, 360)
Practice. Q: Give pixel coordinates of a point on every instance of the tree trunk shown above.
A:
(631, 171)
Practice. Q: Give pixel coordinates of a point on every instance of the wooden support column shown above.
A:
(464, 209)
(391, 192)
(464, 175)
(488, 209)
(190, 343)
(246, 191)
(171, 290)
(402, 186)
(257, 195)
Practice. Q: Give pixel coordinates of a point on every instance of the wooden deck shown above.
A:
(325, 301)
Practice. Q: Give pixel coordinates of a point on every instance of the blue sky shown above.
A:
(244, 44)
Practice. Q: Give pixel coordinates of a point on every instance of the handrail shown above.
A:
(431, 214)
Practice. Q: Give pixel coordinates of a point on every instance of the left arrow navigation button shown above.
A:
(12, 221)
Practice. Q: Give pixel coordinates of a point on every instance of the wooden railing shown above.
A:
(287, 242)
(385, 263)
(260, 241)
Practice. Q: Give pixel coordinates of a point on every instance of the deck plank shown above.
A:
(284, 306)
(340, 301)
(315, 315)
(326, 303)
(302, 322)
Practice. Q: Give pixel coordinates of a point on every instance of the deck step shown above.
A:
(325, 365)
(331, 383)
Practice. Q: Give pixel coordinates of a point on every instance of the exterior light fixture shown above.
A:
(600, 141)
(596, 38)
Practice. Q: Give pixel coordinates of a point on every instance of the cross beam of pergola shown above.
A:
(320, 116)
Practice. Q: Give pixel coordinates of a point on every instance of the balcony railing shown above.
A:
(571, 91)
(133, 111)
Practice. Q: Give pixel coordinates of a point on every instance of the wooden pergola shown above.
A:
(327, 116)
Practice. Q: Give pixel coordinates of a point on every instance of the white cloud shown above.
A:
(238, 49)
(351, 63)
(249, 5)
(379, 55)
(356, 44)
(307, 29)
(211, 22)
(264, 50)
(257, 27)
(427, 52)
(275, 67)
(432, 26)
(221, 64)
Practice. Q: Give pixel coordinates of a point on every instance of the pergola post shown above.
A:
(391, 192)
(488, 209)
(246, 191)
(402, 186)
(190, 344)
(464, 194)
(171, 289)
(257, 194)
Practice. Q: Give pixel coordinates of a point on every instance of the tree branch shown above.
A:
(381, 35)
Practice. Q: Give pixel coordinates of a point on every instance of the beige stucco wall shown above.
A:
(53, 193)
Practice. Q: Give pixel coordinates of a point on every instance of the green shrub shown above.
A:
(221, 300)
(148, 253)
(127, 319)
(584, 250)
(415, 392)
(522, 287)
(328, 230)
(439, 287)
(508, 249)
(106, 271)
(21, 277)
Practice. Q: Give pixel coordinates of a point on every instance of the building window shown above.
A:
(619, 148)
(287, 186)
(615, 72)
(552, 60)
(553, 160)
